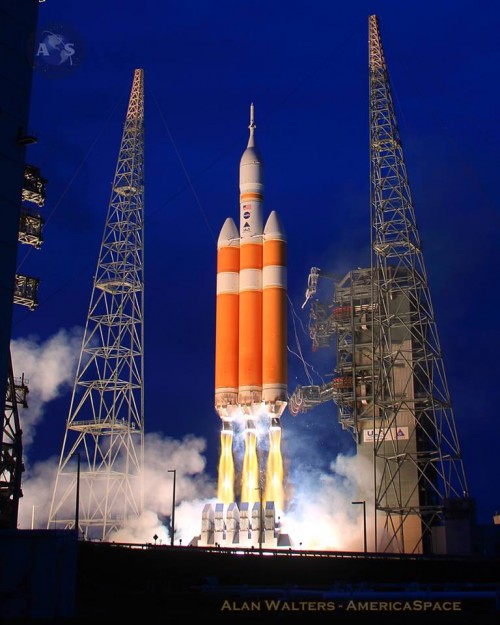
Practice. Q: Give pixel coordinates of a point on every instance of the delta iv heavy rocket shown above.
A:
(251, 341)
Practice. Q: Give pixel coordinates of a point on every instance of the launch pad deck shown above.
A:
(287, 585)
(54, 578)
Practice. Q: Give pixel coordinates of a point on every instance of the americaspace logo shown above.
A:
(58, 50)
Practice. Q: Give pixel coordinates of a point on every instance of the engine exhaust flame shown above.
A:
(274, 471)
(225, 490)
(250, 474)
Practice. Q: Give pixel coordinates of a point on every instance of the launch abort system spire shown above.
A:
(105, 426)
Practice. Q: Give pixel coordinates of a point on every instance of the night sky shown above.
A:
(305, 67)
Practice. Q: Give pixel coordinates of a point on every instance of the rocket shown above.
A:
(250, 345)
(250, 361)
(250, 342)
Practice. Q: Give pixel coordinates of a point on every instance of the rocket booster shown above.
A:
(250, 360)
(274, 327)
(227, 320)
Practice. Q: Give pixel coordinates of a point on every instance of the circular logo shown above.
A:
(246, 215)
(58, 50)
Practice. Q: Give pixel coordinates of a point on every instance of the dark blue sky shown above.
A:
(305, 66)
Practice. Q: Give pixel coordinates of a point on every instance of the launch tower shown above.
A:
(389, 383)
(102, 455)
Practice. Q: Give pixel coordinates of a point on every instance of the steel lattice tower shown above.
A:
(389, 380)
(105, 426)
(419, 475)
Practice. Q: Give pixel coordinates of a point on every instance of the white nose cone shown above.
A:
(229, 235)
(273, 229)
(251, 163)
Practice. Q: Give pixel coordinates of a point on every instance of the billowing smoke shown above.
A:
(144, 528)
(38, 485)
(49, 369)
(193, 488)
(319, 514)
(186, 458)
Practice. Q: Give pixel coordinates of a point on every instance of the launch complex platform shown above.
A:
(48, 576)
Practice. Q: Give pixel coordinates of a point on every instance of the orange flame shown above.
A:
(250, 475)
(225, 488)
(274, 470)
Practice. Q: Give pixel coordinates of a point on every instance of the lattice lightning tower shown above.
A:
(102, 455)
(405, 339)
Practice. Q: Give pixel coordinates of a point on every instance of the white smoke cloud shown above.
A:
(188, 519)
(142, 530)
(319, 515)
(49, 368)
(193, 488)
(37, 486)
(163, 454)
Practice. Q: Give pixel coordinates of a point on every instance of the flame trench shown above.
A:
(274, 471)
(225, 489)
(250, 474)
